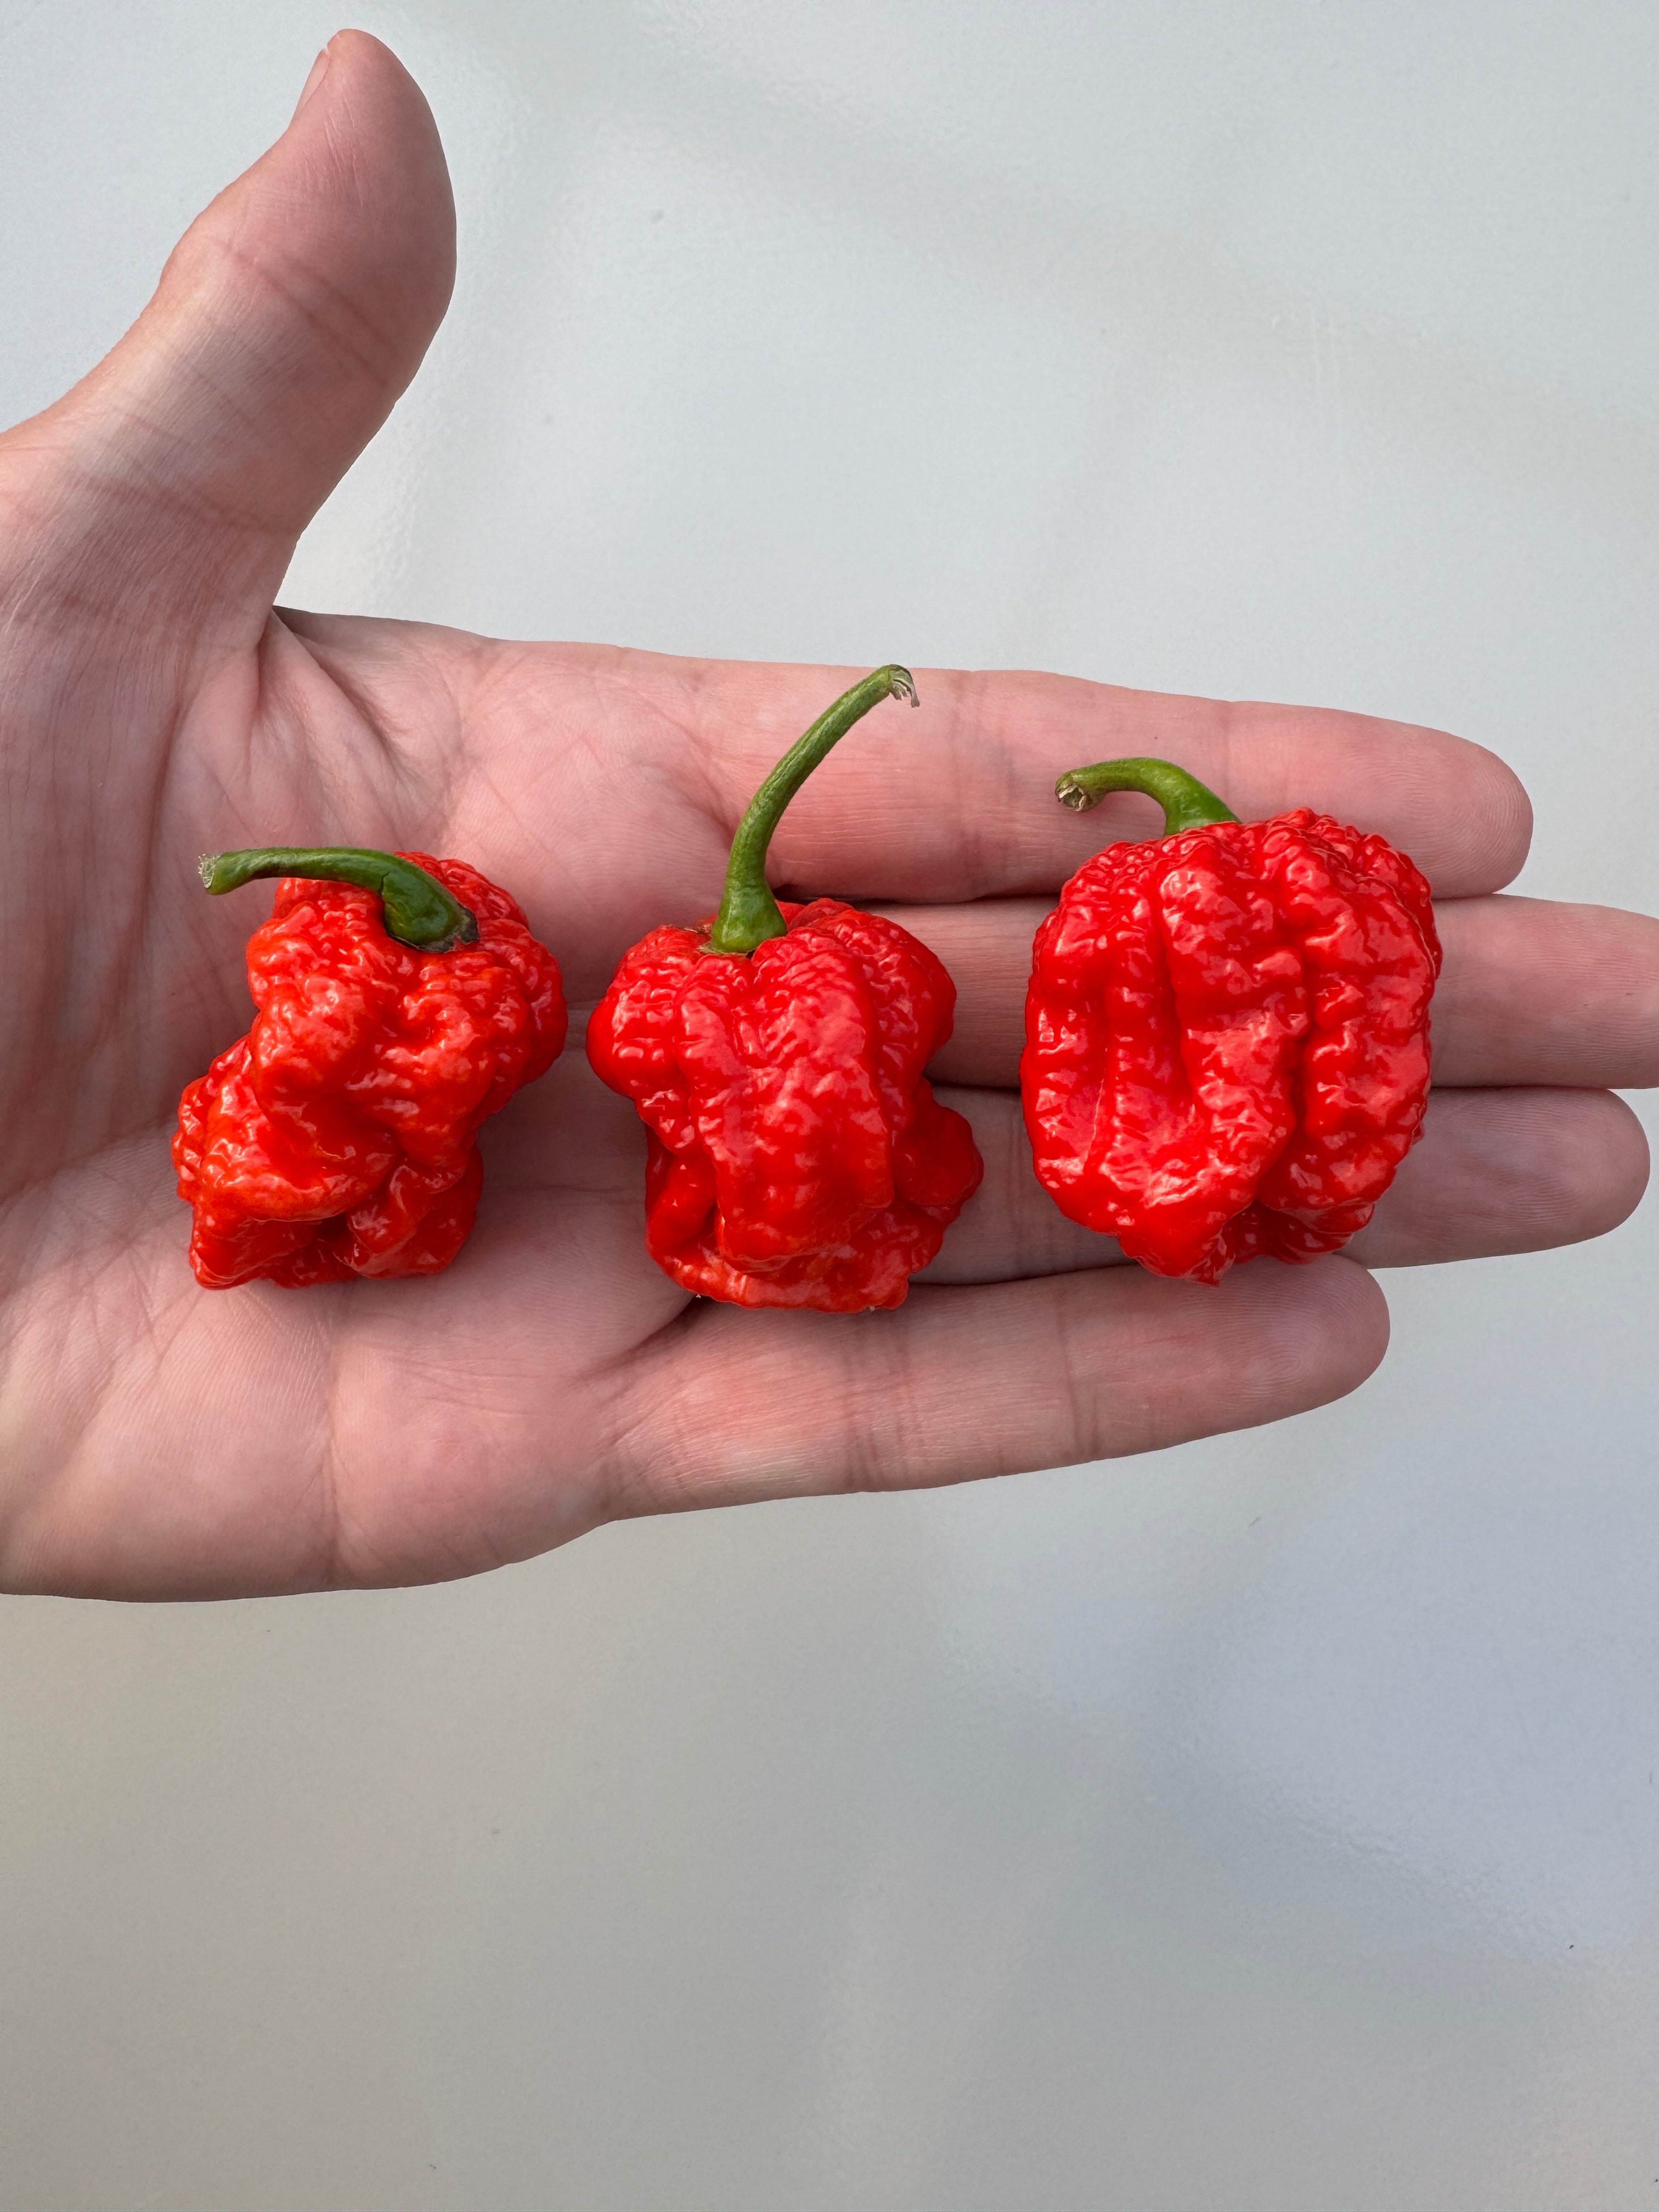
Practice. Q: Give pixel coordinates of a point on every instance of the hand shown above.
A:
(164, 1441)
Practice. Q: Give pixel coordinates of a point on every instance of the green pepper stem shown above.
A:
(749, 913)
(1186, 805)
(419, 911)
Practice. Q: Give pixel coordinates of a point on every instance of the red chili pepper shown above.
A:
(797, 1154)
(1227, 1033)
(401, 1001)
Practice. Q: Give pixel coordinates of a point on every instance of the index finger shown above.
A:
(955, 801)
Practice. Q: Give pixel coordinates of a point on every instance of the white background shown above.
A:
(1268, 1823)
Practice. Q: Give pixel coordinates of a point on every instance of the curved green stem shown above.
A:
(1186, 805)
(749, 913)
(418, 910)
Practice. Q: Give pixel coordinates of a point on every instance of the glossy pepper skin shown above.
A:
(1227, 1031)
(336, 1139)
(797, 1156)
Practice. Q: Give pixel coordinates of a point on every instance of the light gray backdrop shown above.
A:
(1269, 1823)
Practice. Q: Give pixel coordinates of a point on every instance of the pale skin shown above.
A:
(161, 1441)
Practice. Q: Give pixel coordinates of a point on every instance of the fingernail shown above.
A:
(318, 71)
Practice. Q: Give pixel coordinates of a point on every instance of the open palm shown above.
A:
(159, 1440)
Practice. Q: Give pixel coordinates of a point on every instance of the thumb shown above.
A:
(288, 320)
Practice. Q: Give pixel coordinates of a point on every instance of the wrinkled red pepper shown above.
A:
(797, 1156)
(401, 1001)
(1227, 1029)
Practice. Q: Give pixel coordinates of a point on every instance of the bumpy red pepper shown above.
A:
(401, 1001)
(1227, 1031)
(797, 1154)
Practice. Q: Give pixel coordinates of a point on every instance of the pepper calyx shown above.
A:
(419, 911)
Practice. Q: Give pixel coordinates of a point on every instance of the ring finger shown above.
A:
(1517, 1170)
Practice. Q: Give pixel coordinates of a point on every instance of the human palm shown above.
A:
(160, 1440)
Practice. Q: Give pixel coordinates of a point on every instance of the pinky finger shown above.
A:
(995, 1379)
